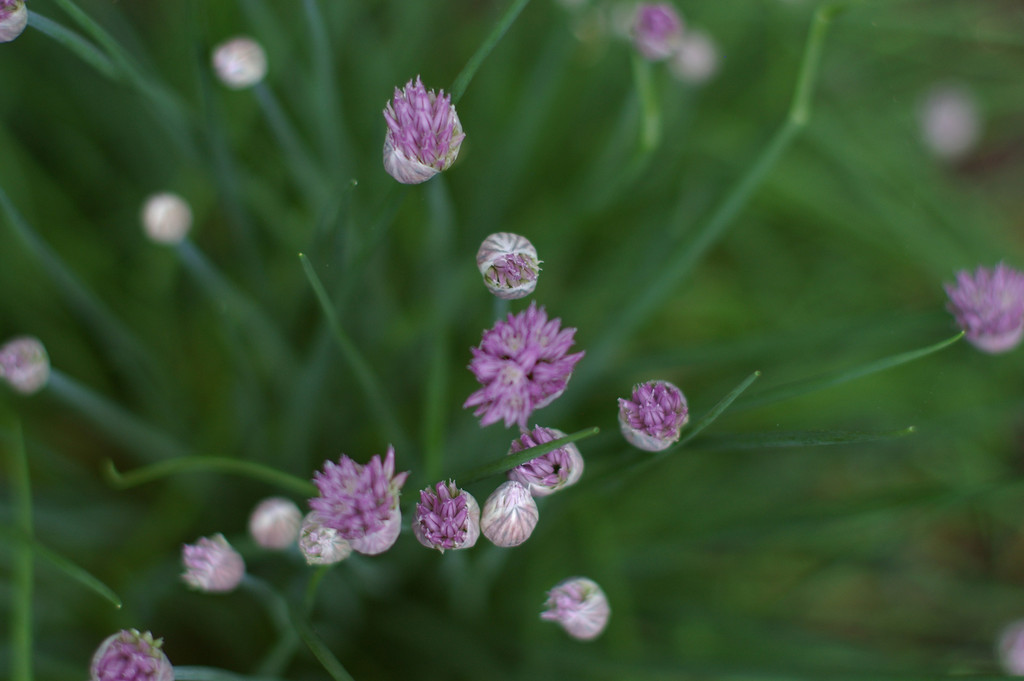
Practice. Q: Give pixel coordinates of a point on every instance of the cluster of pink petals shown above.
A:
(550, 472)
(212, 565)
(447, 519)
(523, 365)
(989, 306)
(424, 133)
(361, 501)
(657, 30)
(580, 606)
(130, 656)
(654, 416)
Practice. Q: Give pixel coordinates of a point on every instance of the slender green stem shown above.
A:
(22, 577)
(214, 674)
(331, 125)
(650, 107)
(807, 438)
(320, 650)
(308, 178)
(380, 404)
(15, 536)
(189, 464)
(146, 441)
(311, 587)
(509, 462)
(75, 43)
(719, 408)
(804, 387)
(469, 70)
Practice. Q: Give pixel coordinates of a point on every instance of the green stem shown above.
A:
(331, 125)
(308, 178)
(719, 408)
(466, 75)
(312, 586)
(21, 606)
(320, 650)
(807, 438)
(214, 674)
(650, 107)
(188, 464)
(75, 43)
(380, 404)
(509, 462)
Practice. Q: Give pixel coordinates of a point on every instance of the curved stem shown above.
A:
(187, 464)
(469, 70)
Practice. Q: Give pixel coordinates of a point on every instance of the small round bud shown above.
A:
(1011, 648)
(319, 544)
(240, 63)
(509, 265)
(13, 19)
(989, 307)
(424, 133)
(212, 565)
(657, 30)
(509, 515)
(949, 121)
(654, 417)
(580, 606)
(130, 656)
(274, 523)
(447, 519)
(24, 364)
(696, 58)
(166, 218)
(550, 472)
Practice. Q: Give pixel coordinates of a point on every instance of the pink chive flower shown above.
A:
(130, 656)
(550, 472)
(657, 30)
(24, 364)
(989, 306)
(1010, 648)
(508, 264)
(654, 416)
(509, 515)
(212, 565)
(361, 501)
(523, 365)
(423, 136)
(447, 519)
(13, 19)
(580, 606)
(275, 522)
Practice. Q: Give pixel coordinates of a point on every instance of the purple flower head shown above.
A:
(654, 417)
(361, 501)
(657, 30)
(13, 19)
(509, 516)
(989, 306)
(509, 265)
(212, 565)
(523, 365)
(424, 133)
(24, 364)
(130, 656)
(580, 606)
(447, 519)
(550, 472)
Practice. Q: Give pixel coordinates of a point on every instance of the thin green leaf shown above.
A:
(214, 674)
(189, 464)
(320, 651)
(22, 577)
(81, 47)
(804, 387)
(803, 438)
(466, 75)
(506, 463)
(718, 409)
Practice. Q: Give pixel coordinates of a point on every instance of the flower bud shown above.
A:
(130, 656)
(24, 364)
(449, 519)
(550, 472)
(240, 62)
(13, 19)
(949, 121)
(580, 606)
(509, 515)
(212, 565)
(989, 307)
(424, 133)
(319, 544)
(166, 218)
(274, 523)
(509, 265)
(1011, 648)
(653, 419)
(696, 58)
(657, 30)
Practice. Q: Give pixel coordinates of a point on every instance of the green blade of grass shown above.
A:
(469, 70)
(22, 573)
(75, 43)
(320, 650)
(718, 409)
(182, 673)
(802, 438)
(189, 464)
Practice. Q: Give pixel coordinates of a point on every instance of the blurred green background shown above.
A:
(734, 557)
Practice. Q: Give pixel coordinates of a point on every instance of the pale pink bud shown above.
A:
(240, 62)
(319, 544)
(130, 656)
(509, 265)
(509, 515)
(657, 30)
(580, 606)
(24, 364)
(949, 120)
(1011, 648)
(212, 565)
(166, 218)
(696, 58)
(274, 523)
(13, 19)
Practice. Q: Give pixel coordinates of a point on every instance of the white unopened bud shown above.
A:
(509, 515)
(696, 58)
(950, 124)
(13, 19)
(24, 364)
(166, 218)
(321, 545)
(240, 63)
(274, 523)
(509, 265)
(1011, 648)
(580, 606)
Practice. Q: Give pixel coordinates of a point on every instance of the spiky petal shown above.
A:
(989, 306)
(580, 606)
(446, 519)
(523, 365)
(654, 416)
(423, 133)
